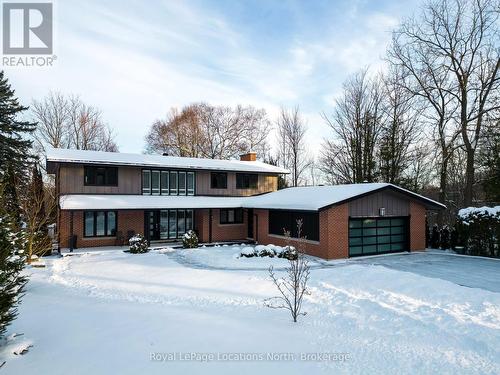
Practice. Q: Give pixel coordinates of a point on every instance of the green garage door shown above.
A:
(378, 236)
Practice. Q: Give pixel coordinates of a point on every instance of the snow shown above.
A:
(159, 161)
(311, 198)
(491, 211)
(112, 312)
(112, 202)
(316, 197)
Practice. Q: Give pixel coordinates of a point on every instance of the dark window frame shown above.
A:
(238, 216)
(214, 178)
(107, 175)
(94, 225)
(170, 191)
(281, 220)
(247, 180)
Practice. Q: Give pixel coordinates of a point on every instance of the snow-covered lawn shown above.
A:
(110, 312)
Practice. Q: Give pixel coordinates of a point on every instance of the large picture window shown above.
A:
(100, 223)
(231, 216)
(246, 181)
(100, 176)
(281, 221)
(167, 182)
(218, 180)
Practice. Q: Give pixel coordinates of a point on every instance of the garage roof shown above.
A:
(316, 197)
(307, 198)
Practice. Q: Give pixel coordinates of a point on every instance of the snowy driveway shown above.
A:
(472, 272)
(107, 312)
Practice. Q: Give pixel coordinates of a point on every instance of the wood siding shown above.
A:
(72, 181)
(395, 204)
(265, 184)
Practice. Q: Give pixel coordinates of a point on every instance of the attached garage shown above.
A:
(345, 220)
(372, 236)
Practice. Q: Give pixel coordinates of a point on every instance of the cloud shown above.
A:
(136, 61)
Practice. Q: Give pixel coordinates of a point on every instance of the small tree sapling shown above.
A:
(293, 286)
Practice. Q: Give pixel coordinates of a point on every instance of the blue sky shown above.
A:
(137, 59)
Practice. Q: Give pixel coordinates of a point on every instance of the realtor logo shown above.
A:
(27, 28)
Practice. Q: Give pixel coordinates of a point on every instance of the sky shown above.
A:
(137, 59)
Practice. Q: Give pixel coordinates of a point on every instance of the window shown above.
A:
(173, 183)
(281, 221)
(172, 224)
(164, 182)
(155, 182)
(101, 176)
(190, 183)
(246, 181)
(146, 182)
(182, 183)
(218, 180)
(189, 220)
(100, 223)
(231, 216)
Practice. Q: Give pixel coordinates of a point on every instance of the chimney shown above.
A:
(249, 156)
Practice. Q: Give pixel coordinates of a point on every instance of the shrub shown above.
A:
(289, 252)
(138, 244)
(435, 237)
(190, 240)
(445, 237)
(479, 230)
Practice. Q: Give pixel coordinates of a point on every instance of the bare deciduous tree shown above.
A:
(292, 152)
(356, 124)
(457, 42)
(293, 287)
(67, 122)
(216, 132)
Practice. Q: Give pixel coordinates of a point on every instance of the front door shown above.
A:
(152, 221)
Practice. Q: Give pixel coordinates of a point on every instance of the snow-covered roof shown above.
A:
(317, 197)
(308, 198)
(117, 202)
(158, 161)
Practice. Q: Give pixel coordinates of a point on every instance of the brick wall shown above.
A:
(333, 234)
(220, 232)
(417, 226)
(127, 220)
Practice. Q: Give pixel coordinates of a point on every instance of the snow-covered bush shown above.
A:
(190, 240)
(249, 252)
(138, 244)
(479, 230)
(289, 252)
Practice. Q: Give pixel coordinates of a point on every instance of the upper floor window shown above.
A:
(246, 181)
(155, 182)
(100, 176)
(218, 180)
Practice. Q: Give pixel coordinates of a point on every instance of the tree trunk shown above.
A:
(443, 187)
(469, 178)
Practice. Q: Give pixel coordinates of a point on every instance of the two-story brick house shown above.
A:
(105, 197)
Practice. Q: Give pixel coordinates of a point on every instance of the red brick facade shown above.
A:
(333, 233)
(333, 230)
(127, 220)
(220, 232)
(417, 226)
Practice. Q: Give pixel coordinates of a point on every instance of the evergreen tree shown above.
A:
(14, 145)
(9, 198)
(11, 263)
